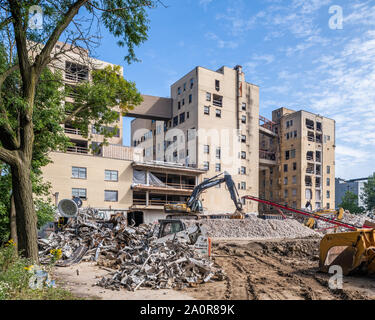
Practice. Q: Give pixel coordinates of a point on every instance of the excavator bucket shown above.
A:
(353, 251)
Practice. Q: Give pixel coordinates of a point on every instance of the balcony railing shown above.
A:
(76, 76)
(169, 185)
(77, 150)
(310, 170)
(142, 202)
(267, 155)
(72, 131)
(217, 103)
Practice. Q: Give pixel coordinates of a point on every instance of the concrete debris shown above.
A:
(256, 228)
(354, 219)
(137, 260)
(173, 264)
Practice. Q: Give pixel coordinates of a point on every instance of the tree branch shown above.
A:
(8, 156)
(44, 56)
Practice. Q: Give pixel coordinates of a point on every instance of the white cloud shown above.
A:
(221, 43)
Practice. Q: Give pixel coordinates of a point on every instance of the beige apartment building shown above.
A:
(209, 125)
(213, 126)
(298, 159)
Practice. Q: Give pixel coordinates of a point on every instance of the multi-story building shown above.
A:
(300, 158)
(113, 178)
(210, 124)
(214, 126)
(355, 186)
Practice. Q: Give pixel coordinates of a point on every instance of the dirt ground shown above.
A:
(277, 270)
(256, 270)
(80, 280)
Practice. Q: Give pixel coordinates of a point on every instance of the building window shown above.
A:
(285, 180)
(294, 179)
(175, 121)
(217, 85)
(206, 148)
(206, 110)
(295, 134)
(294, 192)
(179, 90)
(190, 98)
(187, 115)
(294, 166)
(243, 138)
(110, 195)
(243, 154)
(327, 205)
(243, 119)
(328, 182)
(179, 105)
(111, 175)
(80, 193)
(208, 96)
(242, 185)
(218, 113)
(285, 168)
(328, 169)
(328, 194)
(243, 106)
(79, 173)
(191, 83)
(286, 193)
(183, 102)
(286, 155)
(206, 165)
(182, 117)
(185, 86)
(218, 167)
(293, 153)
(243, 170)
(218, 153)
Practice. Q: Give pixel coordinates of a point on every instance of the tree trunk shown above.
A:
(12, 220)
(25, 212)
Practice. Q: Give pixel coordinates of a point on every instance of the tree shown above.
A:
(368, 195)
(28, 53)
(350, 202)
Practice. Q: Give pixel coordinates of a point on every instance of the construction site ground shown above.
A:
(256, 270)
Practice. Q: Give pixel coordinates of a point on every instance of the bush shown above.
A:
(15, 277)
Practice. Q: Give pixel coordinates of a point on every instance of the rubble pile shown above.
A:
(354, 219)
(256, 228)
(173, 264)
(136, 259)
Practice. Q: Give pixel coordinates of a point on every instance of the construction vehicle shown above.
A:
(335, 214)
(353, 251)
(195, 234)
(194, 208)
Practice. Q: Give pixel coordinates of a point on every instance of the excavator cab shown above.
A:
(354, 251)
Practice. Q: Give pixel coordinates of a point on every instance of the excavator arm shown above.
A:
(194, 205)
(214, 181)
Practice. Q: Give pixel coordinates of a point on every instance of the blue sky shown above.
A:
(285, 46)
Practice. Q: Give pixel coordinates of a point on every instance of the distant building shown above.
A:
(297, 162)
(354, 185)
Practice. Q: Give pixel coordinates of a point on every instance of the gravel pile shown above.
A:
(257, 228)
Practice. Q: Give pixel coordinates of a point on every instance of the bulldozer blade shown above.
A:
(341, 256)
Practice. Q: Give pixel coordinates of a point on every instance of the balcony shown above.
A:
(217, 100)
